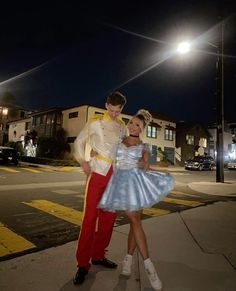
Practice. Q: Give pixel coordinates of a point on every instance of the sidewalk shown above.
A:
(193, 250)
(228, 188)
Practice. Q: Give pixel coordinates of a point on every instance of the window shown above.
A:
(73, 114)
(43, 119)
(37, 120)
(49, 119)
(189, 139)
(126, 120)
(27, 125)
(168, 134)
(151, 131)
(58, 119)
(203, 142)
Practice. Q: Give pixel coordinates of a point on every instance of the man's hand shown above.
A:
(143, 164)
(86, 168)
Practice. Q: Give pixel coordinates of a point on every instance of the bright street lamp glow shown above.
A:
(183, 47)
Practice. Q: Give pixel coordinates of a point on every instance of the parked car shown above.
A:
(8, 155)
(200, 163)
(231, 165)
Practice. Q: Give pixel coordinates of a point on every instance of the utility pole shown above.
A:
(220, 108)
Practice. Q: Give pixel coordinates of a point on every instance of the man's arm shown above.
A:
(79, 149)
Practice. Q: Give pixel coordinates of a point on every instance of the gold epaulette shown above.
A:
(96, 117)
(120, 121)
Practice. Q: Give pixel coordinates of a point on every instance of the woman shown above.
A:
(132, 188)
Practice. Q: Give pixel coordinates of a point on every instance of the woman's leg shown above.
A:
(131, 242)
(137, 234)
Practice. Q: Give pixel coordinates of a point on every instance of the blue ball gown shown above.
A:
(131, 188)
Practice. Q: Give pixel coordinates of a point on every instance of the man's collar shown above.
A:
(107, 117)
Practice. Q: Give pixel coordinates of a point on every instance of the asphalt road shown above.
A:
(42, 207)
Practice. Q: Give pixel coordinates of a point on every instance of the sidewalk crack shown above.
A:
(201, 248)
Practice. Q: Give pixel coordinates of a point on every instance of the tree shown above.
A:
(8, 97)
(53, 147)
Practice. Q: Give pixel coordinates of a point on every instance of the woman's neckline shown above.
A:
(131, 145)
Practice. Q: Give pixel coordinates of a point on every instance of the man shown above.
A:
(103, 133)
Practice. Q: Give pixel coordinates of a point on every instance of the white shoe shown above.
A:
(126, 265)
(152, 275)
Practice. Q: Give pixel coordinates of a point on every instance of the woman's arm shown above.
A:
(144, 161)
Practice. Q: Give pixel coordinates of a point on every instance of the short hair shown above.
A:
(116, 98)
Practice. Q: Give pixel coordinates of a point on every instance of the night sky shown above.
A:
(65, 55)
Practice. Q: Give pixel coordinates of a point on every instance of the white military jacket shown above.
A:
(103, 135)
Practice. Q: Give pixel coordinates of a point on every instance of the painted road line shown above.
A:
(64, 192)
(31, 170)
(41, 185)
(11, 242)
(67, 168)
(66, 213)
(155, 211)
(182, 202)
(8, 170)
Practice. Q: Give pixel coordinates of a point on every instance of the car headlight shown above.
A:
(196, 163)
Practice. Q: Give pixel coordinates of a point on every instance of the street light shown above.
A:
(183, 48)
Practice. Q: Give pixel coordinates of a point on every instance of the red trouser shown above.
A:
(96, 229)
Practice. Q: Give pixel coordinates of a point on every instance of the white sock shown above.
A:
(148, 263)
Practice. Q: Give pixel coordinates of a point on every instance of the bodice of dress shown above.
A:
(127, 157)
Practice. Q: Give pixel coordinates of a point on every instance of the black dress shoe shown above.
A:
(105, 263)
(80, 275)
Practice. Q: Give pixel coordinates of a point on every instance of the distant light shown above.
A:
(5, 111)
(183, 47)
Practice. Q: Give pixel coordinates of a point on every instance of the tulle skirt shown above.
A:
(134, 189)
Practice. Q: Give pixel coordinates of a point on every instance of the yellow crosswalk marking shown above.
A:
(11, 242)
(31, 170)
(8, 170)
(155, 211)
(67, 168)
(182, 202)
(69, 214)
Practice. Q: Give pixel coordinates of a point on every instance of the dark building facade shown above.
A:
(46, 122)
(8, 112)
(193, 139)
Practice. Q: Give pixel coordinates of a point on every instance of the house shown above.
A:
(18, 129)
(193, 139)
(46, 122)
(229, 141)
(160, 133)
(8, 112)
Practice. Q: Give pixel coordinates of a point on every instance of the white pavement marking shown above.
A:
(179, 174)
(213, 188)
(64, 192)
(41, 185)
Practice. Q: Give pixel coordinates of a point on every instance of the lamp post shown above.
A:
(220, 108)
(185, 47)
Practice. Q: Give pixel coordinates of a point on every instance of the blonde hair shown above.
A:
(144, 116)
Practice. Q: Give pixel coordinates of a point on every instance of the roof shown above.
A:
(9, 105)
(163, 117)
(46, 111)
